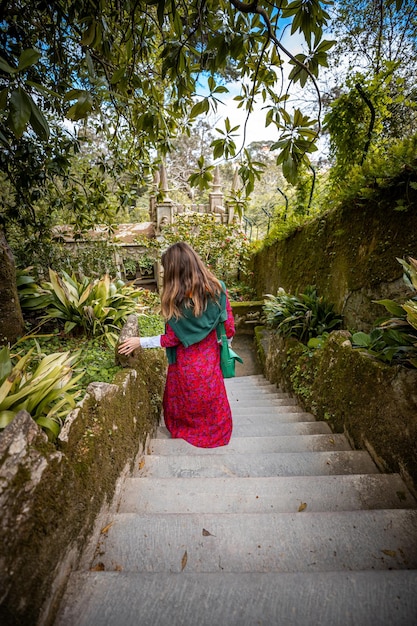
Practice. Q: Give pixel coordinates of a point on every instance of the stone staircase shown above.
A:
(287, 525)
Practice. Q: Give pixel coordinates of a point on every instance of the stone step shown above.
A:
(251, 542)
(257, 400)
(266, 418)
(268, 430)
(252, 445)
(283, 494)
(260, 411)
(254, 378)
(261, 392)
(268, 464)
(382, 598)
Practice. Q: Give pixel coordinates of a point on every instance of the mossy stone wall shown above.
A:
(374, 404)
(51, 494)
(349, 254)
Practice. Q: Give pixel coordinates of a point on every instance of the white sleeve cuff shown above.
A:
(150, 342)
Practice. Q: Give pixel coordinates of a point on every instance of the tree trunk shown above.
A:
(11, 319)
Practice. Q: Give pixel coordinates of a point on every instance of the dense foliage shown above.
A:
(133, 69)
(43, 385)
(223, 248)
(94, 308)
(304, 317)
(394, 339)
(372, 100)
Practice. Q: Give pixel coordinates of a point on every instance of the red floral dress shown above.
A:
(196, 407)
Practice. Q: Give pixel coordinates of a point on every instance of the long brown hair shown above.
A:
(187, 282)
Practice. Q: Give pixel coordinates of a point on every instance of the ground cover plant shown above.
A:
(305, 316)
(393, 340)
(72, 326)
(93, 307)
(41, 384)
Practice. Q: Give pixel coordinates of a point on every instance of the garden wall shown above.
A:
(51, 495)
(349, 254)
(372, 403)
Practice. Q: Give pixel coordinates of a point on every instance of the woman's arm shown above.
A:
(139, 342)
(168, 340)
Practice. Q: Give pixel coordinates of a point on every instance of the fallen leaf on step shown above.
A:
(390, 552)
(206, 533)
(118, 568)
(331, 440)
(98, 568)
(106, 529)
(184, 561)
(142, 464)
(302, 507)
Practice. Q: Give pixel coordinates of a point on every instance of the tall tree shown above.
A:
(373, 98)
(137, 65)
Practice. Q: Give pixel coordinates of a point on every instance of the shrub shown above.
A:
(394, 339)
(42, 385)
(223, 248)
(304, 316)
(93, 307)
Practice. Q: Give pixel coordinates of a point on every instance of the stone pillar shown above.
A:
(216, 196)
(164, 207)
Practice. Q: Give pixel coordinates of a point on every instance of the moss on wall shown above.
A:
(349, 254)
(47, 518)
(11, 319)
(374, 404)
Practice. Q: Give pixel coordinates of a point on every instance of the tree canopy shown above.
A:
(373, 98)
(136, 67)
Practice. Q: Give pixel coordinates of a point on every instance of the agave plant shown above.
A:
(44, 388)
(304, 316)
(95, 307)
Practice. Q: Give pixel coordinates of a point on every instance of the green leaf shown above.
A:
(392, 307)
(81, 109)
(117, 75)
(3, 98)
(5, 364)
(74, 94)
(89, 35)
(5, 67)
(20, 111)
(290, 170)
(51, 426)
(361, 339)
(200, 107)
(38, 122)
(6, 417)
(27, 58)
(160, 12)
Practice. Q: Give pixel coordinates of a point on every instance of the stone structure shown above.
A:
(132, 258)
(164, 210)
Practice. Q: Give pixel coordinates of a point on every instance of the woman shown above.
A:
(196, 407)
